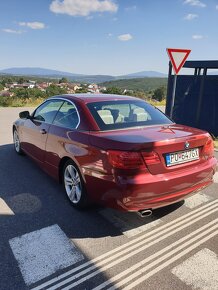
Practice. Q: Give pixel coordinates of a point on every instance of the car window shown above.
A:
(111, 115)
(67, 116)
(47, 111)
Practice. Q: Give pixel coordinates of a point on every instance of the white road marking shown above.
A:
(196, 200)
(215, 177)
(4, 208)
(200, 271)
(208, 232)
(130, 224)
(43, 252)
(131, 248)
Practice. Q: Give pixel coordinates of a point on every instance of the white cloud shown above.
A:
(216, 7)
(195, 3)
(8, 30)
(82, 7)
(190, 16)
(33, 25)
(197, 36)
(131, 8)
(125, 37)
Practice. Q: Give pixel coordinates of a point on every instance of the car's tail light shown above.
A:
(126, 159)
(208, 149)
(151, 158)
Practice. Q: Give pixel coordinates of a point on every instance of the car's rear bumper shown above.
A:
(145, 191)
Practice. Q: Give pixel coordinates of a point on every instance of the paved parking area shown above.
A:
(46, 244)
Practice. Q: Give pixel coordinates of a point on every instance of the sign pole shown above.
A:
(173, 95)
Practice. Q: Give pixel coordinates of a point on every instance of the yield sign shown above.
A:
(178, 57)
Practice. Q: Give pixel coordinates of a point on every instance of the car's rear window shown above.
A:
(121, 114)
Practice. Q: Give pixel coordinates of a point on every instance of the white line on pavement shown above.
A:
(215, 177)
(126, 245)
(208, 231)
(129, 223)
(137, 247)
(199, 271)
(196, 200)
(41, 253)
(4, 208)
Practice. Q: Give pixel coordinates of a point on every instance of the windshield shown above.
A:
(122, 114)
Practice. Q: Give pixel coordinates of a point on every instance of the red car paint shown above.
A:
(151, 185)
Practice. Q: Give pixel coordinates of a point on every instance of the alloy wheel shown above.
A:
(16, 142)
(72, 184)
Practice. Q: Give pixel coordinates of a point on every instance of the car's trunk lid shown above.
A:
(162, 139)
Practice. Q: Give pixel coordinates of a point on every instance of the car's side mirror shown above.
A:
(24, 115)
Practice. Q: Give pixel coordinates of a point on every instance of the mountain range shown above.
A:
(49, 73)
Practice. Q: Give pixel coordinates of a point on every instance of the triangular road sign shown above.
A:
(178, 57)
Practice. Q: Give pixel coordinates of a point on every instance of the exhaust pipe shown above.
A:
(145, 213)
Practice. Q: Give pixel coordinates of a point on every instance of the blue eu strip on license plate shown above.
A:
(168, 159)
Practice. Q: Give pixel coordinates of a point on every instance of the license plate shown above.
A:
(182, 157)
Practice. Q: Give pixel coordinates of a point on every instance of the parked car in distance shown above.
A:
(118, 151)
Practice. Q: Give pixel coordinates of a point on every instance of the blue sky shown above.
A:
(105, 36)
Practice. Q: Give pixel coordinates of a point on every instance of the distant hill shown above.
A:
(49, 73)
(143, 74)
(144, 84)
(37, 71)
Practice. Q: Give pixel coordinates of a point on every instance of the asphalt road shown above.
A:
(46, 244)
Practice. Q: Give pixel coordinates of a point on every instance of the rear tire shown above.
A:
(17, 145)
(74, 185)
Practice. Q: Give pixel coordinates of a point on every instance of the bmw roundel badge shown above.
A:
(187, 145)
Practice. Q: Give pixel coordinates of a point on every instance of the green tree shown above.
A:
(114, 90)
(21, 80)
(1, 87)
(53, 90)
(5, 101)
(139, 94)
(7, 80)
(34, 93)
(63, 80)
(159, 94)
(20, 93)
(83, 90)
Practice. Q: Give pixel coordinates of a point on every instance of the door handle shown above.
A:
(43, 131)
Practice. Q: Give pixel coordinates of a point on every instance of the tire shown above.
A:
(17, 145)
(74, 185)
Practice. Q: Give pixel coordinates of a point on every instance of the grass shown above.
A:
(15, 102)
(162, 103)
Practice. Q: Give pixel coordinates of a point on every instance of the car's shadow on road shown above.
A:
(31, 200)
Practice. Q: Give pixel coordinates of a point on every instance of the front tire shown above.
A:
(17, 145)
(74, 185)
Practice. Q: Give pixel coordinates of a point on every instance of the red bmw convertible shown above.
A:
(116, 150)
